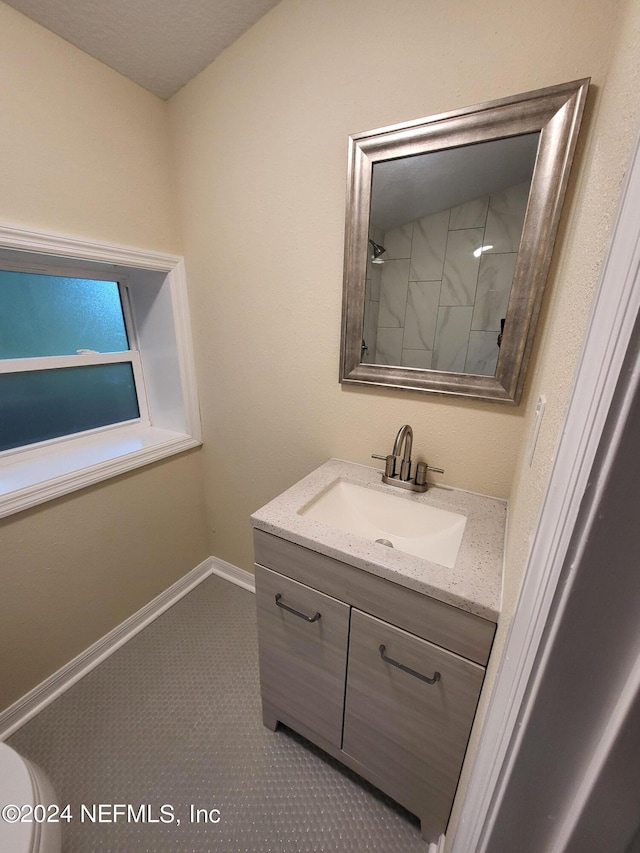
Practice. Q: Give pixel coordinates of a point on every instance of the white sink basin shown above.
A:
(415, 528)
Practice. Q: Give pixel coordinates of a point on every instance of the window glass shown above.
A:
(42, 404)
(47, 315)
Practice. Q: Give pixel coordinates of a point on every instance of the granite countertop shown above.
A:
(474, 584)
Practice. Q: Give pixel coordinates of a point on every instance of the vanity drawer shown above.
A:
(302, 663)
(408, 732)
(433, 620)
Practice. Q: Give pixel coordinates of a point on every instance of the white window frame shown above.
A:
(154, 298)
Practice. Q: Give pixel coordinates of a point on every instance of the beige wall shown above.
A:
(76, 567)
(84, 152)
(608, 143)
(260, 141)
(260, 145)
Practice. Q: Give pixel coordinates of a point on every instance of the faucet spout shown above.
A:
(404, 436)
(402, 454)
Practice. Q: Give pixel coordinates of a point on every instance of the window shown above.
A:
(68, 357)
(96, 367)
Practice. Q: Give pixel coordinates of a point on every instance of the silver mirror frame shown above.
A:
(556, 112)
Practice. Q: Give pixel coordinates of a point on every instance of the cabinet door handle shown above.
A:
(436, 675)
(313, 618)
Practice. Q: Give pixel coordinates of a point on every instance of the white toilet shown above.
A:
(23, 784)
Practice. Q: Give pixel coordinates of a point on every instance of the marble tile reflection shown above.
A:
(373, 270)
(482, 356)
(494, 286)
(389, 346)
(452, 339)
(461, 267)
(420, 358)
(370, 330)
(472, 214)
(375, 279)
(397, 242)
(429, 246)
(506, 218)
(422, 315)
(393, 293)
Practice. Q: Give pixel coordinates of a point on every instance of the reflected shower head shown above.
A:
(377, 251)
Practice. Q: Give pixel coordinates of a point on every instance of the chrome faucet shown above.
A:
(397, 470)
(405, 434)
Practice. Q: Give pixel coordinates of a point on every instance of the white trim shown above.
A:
(184, 340)
(50, 243)
(232, 573)
(615, 309)
(16, 715)
(173, 422)
(88, 460)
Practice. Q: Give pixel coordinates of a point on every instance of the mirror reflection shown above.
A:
(444, 236)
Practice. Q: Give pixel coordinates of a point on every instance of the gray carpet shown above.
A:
(173, 718)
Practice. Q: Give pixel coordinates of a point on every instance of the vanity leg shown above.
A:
(428, 833)
(269, 719)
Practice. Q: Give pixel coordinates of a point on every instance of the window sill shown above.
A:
(34, 476)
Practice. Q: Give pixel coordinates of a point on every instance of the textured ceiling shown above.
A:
(160, 44)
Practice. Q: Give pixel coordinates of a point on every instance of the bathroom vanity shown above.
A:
(374, 654)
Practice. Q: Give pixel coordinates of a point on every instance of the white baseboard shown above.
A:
(232, 573)
(16, 715)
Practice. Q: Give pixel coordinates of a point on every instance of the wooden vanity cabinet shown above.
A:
(361, 683)
(409, 732)
(303, 664)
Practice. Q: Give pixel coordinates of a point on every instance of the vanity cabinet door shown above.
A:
(302, 662)
(410, 734)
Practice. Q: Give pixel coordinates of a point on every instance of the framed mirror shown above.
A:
(450, 227)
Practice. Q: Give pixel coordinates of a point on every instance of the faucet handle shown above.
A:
(390, 463)
(421, 472)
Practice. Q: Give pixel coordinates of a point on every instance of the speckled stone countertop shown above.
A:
(474, 584)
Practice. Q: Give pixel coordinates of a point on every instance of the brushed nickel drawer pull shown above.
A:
(296, 612)
(436, 675)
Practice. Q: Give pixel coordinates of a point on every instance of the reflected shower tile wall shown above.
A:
(452, 338)
(393, 293)
(429, 247)
(430, 269)
(494, 286)
(472, 214)
(421, 316)
(370, 330)
(376, 278)
(374, 271)
(421, 358)
(506, 218)
(371, 311)
(482, 355)
(389, 346)
(461, 264)
(397, 242)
